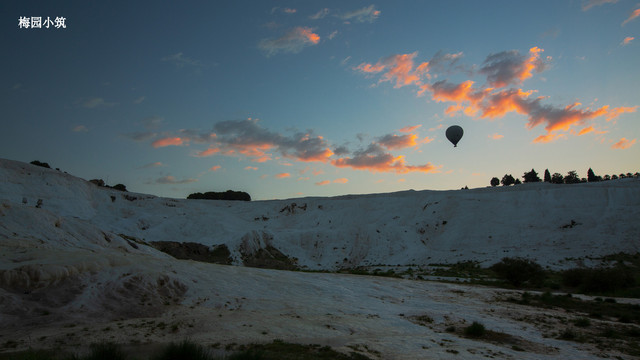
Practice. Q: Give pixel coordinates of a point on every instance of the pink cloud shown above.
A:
(591, 3)
(173, 181)
(169, 141)
(394, 142)
(251, 168)
(623, 144)
(207, 152)
(323, 182)
(408, 129)
(627, 40)
(375, 159)
(283, 175)
(496, 136)
(634, 14)
(341, 181)
(215, 168)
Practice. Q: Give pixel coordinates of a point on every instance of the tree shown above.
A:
(531, 176)
(614, 177)
(517, 182)
(495, 181)
(572, 177)
(591, 177)
(547, 176)
(607, 177)
(557, 178)
(507, 180)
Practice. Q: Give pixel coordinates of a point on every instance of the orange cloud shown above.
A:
(323, 182)
(169, 141)
(399, 68)
(215, 168)
(627, 40)
(496, 136)
(283, 175)
(633, 15)
(615, 112)
(394, 142)
(383, 163)
(251, 168)
(586, 130)
(623, 144)
(207, 152)
(408, 129)
(510, 67)
(548, 138)
(341, 181)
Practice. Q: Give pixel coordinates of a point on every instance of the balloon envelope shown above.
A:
(454, 134)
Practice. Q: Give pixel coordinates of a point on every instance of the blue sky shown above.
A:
(294, 98)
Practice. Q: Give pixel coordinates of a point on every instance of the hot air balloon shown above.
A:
(454, 134)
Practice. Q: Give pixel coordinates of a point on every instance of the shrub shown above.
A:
(227, 195)
(599, 280)
(475, 330)
(185, 350)
(105, 351)
(519, 271)
(38, 163)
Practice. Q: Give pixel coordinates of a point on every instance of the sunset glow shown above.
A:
(286, 98)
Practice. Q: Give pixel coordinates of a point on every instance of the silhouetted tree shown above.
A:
(572, 177)
(629, 175)
(507, 180)
(591, 177)
(557, 178)
(622, 176)
(614, 177)
(531, 176)
(607, 177)
(517, 182)
(495, 181)
(547, 176)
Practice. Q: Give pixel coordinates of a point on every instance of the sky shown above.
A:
(287, 99)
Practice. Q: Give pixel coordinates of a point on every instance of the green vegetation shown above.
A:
(596, 309)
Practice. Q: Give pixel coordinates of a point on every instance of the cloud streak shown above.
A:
(367, 14)
(634, 14)
(292, 41)
(170, 180)
(624, 143)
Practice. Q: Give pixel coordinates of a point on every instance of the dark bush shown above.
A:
(106, 351)
(185, 350)
(475, 330)
(227, 195)
(519, 271)
(599, 280)
(38, 163)
(119, 187)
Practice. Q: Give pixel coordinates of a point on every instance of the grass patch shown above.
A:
(626, 313)
(188, 350)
